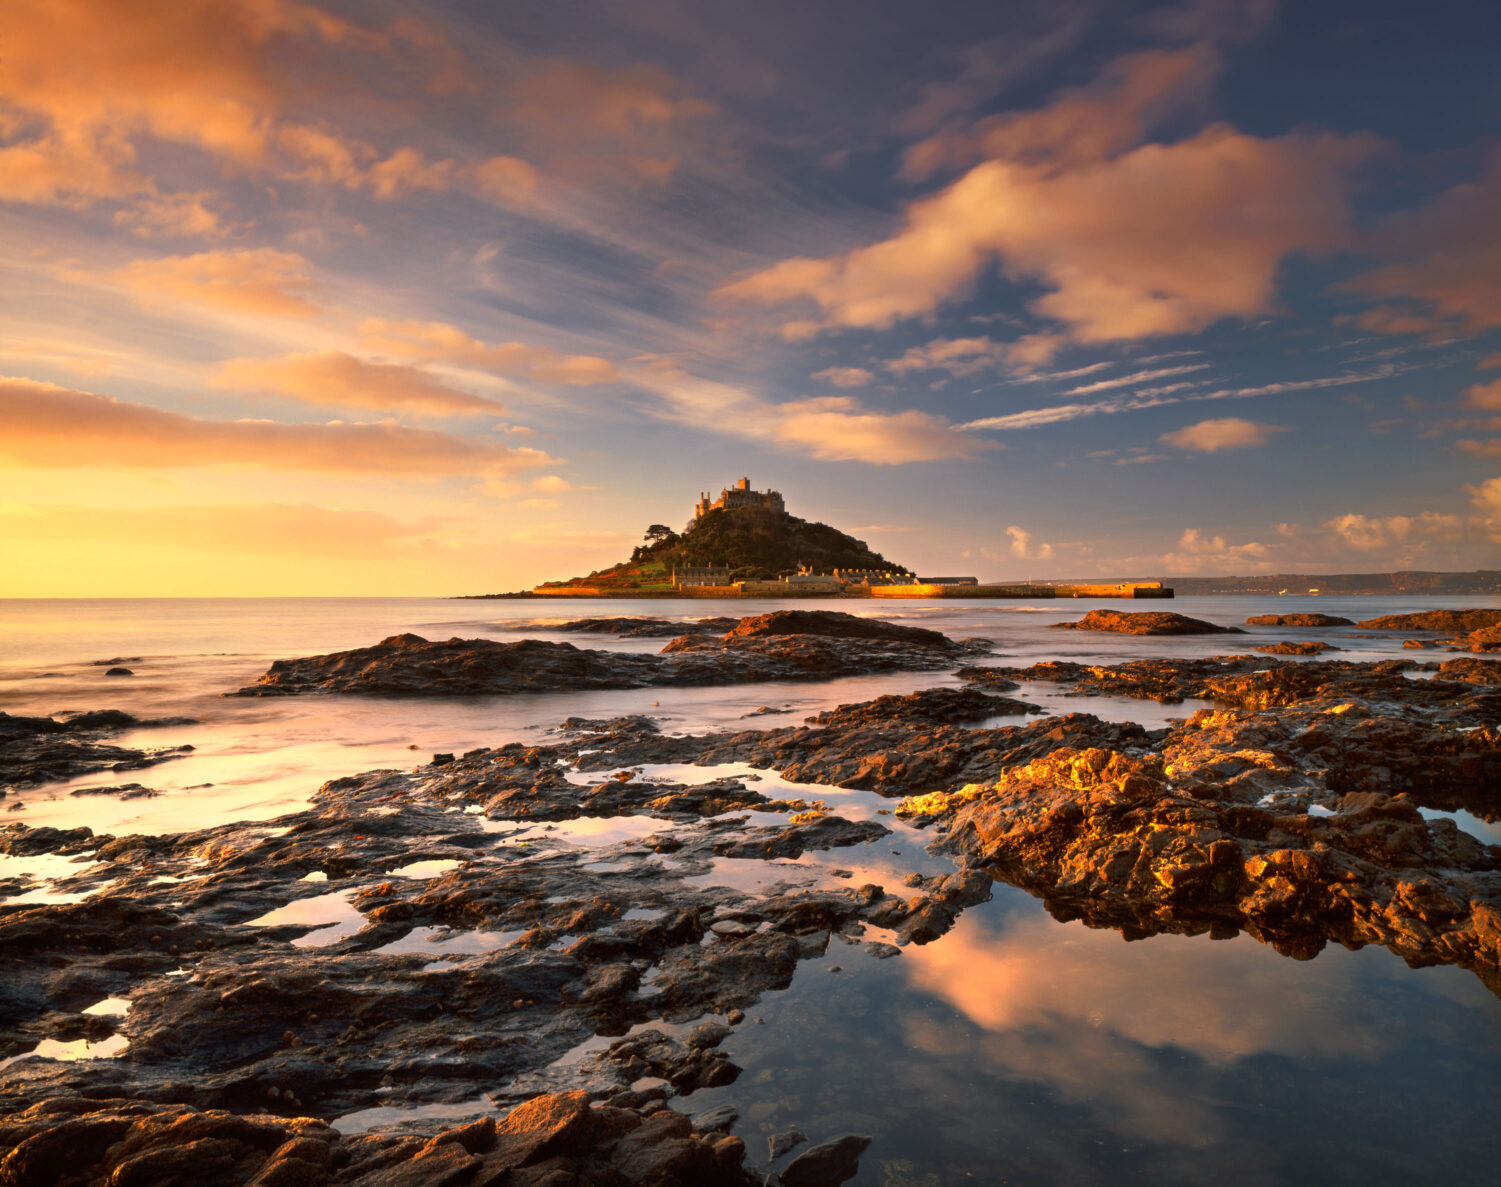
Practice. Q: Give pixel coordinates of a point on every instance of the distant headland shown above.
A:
(746, 544)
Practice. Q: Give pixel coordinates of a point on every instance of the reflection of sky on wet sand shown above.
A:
(1020, 1050)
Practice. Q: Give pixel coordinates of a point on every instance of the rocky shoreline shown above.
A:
(550, 943)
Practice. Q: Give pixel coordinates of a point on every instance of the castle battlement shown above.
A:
(740, 495)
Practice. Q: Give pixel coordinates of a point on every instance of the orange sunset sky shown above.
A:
(428, 298)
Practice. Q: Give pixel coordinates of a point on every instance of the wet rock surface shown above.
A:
(1145, 622)
(786, 645)
(37, 750)
(553, 1139)
(559, 938)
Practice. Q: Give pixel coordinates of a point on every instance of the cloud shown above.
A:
(1446, 253)
(1211, 436)
(1165, 239)
(968, 356)
(1082, 126)
(1491, 448)
(333, 378)
(632, 122)
(1198, 554)
(261, 281)
(259, 529)
(1375, 534)
(1485, 395)
(1022, 547)
(1487, 501)
(45, 426)
(844, 376)
(551, 483)
(1172, 393)
(506, 181)
(837, 429)
(830, 428)
(436, 341)
(1101, 385)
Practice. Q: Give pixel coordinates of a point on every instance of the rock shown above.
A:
(1306, 648)
(716, 1120)
(1145, 622)
(787, 645)
(826, 1164)
(933, 706)
(119, 672)
(647, 628)
(36, 750)
(1472, 671)
(1453, 621)
(1304, 620)
(781, 1143)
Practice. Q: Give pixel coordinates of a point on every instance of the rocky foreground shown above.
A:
(785, 645)
(559, 938)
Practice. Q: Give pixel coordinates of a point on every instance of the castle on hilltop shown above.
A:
(740, 496)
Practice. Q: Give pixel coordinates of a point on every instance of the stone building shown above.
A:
(740, 495)
(691, 575)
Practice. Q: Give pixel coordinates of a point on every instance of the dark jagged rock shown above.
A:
(788, 645)
(933, 706)
(1302, 620)
(1145, 622)
(37, 750)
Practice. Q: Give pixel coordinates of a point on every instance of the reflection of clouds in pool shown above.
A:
(1225, 1002)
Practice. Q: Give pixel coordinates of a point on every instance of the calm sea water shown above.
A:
(1014, 1050)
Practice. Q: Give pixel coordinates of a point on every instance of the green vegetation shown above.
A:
(754, 543)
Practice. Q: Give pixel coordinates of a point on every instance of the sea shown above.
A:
(1015, 1049)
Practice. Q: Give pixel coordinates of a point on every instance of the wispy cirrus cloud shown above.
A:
(1178, 393)
(440, 342)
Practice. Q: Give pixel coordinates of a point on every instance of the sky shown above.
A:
(454, 297)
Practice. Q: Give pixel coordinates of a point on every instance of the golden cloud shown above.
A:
(1163, 239)
(261, 281)
(1446, 253)
(43, 425)
(334, 378)
(1082, 126)
(1229, 432)
(836, 428)
(1485, 395)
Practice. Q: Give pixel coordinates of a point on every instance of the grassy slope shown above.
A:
(754, 543)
